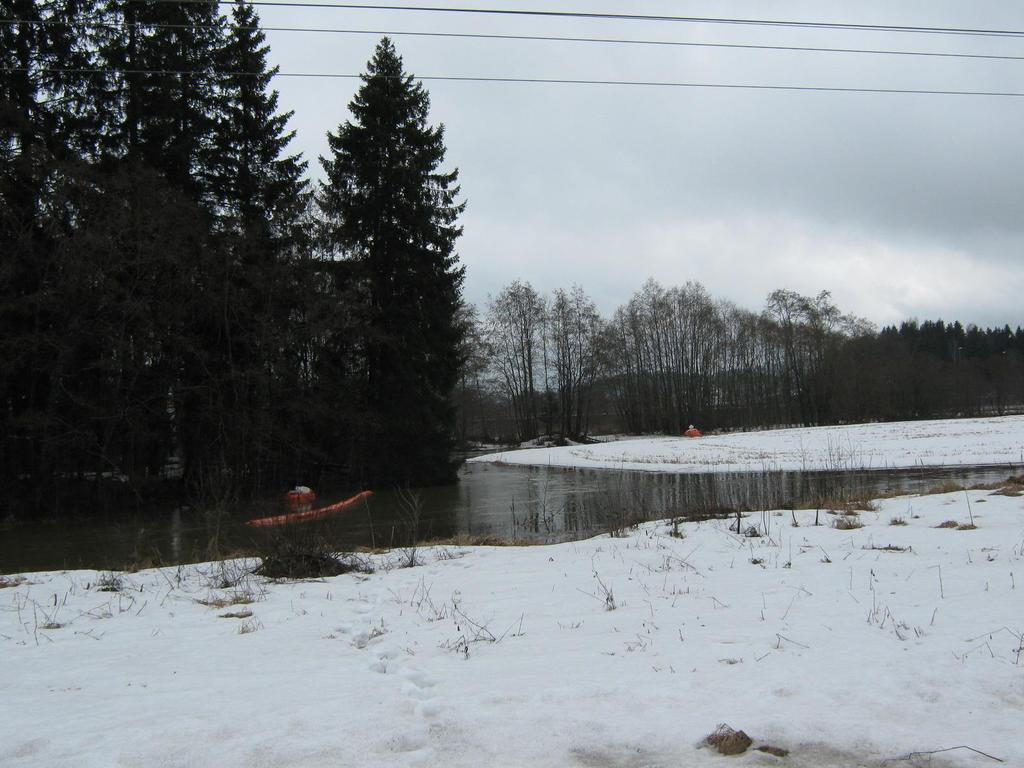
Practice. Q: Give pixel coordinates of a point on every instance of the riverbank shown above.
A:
(845, 645)
(892, 445)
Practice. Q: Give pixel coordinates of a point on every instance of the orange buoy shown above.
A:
(300, 499)
(308, 514)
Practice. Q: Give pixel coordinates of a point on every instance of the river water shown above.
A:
(508, 501)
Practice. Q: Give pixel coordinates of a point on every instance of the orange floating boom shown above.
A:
(312, 514)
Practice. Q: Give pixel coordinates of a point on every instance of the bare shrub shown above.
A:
(226, 574)
(620, 522)
(897, 521)
(410, 506)
(605, 594)
(110, 581)
(295, 552)
(847, 523)
(250, 625)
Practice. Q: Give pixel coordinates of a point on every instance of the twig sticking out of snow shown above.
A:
(912, 755)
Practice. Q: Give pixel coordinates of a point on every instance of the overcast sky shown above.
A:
(901, 205)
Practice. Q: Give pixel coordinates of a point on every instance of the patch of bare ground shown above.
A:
(481, 540)
(847, 505)
(946, 487)
(1013, 486)
(7, 582)
(774, 751)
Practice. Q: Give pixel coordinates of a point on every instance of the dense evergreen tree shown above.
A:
(258, 198)
(391, 211)
(171, 109)
(44, 128)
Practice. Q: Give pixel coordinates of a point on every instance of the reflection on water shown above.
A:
(510, 502)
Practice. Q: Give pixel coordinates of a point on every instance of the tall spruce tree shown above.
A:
(44, 126)
(391, 212)
(259, 197)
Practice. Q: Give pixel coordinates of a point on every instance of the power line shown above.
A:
(628, 17)
(537, 38)
(537, 81)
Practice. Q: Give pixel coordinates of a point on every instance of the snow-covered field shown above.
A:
(949, 442)
(619, 651)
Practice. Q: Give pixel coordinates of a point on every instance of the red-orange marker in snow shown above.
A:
(692, 432)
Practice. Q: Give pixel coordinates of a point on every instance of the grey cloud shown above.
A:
(566, 181)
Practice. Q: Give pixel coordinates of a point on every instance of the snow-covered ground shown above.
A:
(949, 442)
(619, 651)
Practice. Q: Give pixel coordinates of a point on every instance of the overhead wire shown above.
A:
(534, 38)
(536, 80)
(555, 38)
(848, 26)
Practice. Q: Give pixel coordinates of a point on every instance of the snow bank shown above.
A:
(949, 442)
(608, 652)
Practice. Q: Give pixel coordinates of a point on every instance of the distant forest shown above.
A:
(670, 357)
(183, 314)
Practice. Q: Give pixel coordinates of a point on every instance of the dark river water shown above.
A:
(510, 502)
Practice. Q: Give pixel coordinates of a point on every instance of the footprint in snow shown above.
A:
(418, 678)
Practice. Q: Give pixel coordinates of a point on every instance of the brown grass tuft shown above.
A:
(11, 581)
(479, 540)
(849, 505)
(847, 523)
(889, 548)
(947, 487)
(249, 626)
(967, 527)
(948, 524)
(239, 598)
(897, 521)
(1009, 490)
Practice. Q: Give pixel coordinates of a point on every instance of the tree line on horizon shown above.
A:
(552, 367)
(181, 311)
